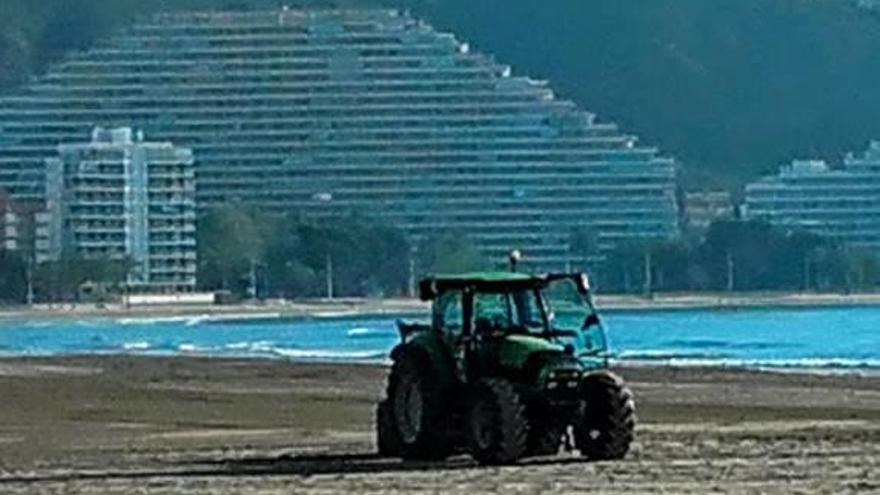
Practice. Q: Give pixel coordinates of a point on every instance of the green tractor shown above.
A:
(511, 366)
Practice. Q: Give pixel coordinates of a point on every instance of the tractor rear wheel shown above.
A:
(387, 441)
(497, 421)
(416, 408)
(607, 426)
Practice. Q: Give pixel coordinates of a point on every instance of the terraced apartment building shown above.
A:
(365, 112)
(842, 203)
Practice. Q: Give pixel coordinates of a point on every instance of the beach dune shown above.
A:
(98, 425)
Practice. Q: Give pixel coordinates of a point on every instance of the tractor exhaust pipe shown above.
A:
(515, 256)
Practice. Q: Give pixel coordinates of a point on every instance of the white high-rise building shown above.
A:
(841, 203)
(10, 224)
(118, 197)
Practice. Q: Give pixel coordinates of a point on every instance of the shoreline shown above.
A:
(803, 370)
(855, 373)
(401, 306)
(91, 364)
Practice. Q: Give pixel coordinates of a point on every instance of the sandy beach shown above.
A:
(106, 425)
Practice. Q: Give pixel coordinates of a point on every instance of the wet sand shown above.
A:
(98, 425)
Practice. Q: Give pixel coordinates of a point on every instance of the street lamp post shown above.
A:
(412, 271)
(649, 273)
(329, 272)
(252, 281)
(730, 272)
(29, 275)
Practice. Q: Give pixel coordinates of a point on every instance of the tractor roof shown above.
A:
(496, 276)
(430, 287)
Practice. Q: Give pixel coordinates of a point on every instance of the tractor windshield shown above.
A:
(571, 311)
(504, 311)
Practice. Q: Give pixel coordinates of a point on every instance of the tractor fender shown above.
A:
(442, 367)
(615, 378)
(397, 351)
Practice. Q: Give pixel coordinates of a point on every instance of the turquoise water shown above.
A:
(823, 340)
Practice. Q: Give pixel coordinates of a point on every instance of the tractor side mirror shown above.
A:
(583, 283)
(427, 290)
(590, 321)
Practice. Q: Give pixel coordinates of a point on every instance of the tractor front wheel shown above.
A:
(497, 420)
(606, 427)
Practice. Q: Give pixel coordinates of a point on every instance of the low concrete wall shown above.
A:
(166, 299)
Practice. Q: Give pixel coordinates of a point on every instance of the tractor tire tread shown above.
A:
(387, 441)
(512, 433)
(610, 409)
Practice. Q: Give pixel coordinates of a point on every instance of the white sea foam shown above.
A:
(336, 314)
(190, 320)
(264, 347)
(818, 365)
(40, 324)
(195, 320)
(329, 354)
(666, 354)
(137, 346)
(189, 348)
(243, 317)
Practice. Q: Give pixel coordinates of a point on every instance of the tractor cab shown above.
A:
(513, 315)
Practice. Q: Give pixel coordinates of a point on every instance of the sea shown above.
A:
(817, 340)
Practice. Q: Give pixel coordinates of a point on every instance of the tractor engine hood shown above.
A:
(517, 349)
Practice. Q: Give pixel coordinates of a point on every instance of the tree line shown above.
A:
(71, 278)
(736, 255)
(249, 253)
(246, 253)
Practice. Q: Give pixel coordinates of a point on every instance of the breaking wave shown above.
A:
(264, 349)
(790, 364)
(331, 355)
(721, 344)
(137, 346)
(193, 320)
(189, 348)
(369, 333)
(665, 355)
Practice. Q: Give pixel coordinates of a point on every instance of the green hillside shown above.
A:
(730, 87)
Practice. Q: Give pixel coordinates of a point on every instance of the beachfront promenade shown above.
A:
(404, 306)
